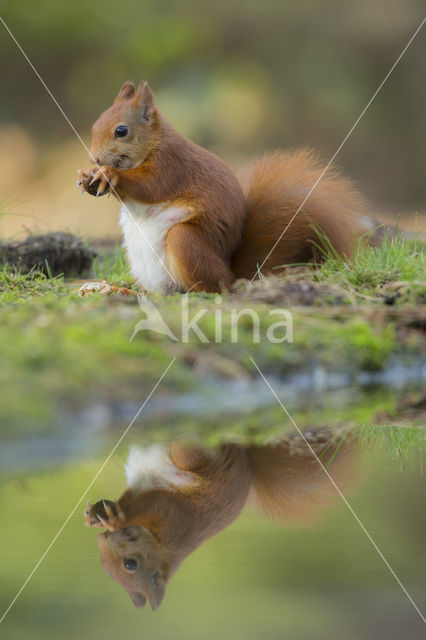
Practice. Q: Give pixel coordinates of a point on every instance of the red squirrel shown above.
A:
(179, 497)
(190, 224)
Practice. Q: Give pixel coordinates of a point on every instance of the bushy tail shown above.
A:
(289, 199)
(289, 483)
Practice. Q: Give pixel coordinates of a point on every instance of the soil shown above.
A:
(53, 253)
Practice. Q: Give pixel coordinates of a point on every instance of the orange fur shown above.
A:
(229, 227)
(289, 483)
(160, 527)
(275, 187)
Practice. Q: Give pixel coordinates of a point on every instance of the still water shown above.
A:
(252, 579)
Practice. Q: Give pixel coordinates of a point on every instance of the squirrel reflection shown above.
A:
(179, 497)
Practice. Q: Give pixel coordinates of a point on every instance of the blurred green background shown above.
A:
(239, 77)
(253, 580)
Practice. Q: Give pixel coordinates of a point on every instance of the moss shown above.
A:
(61, 353)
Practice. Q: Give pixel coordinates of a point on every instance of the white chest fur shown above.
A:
(152, 468)
(145, 228)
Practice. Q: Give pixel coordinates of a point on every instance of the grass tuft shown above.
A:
(399, 443)
(111, 265)
(15, 285)
(392, 268)
(396, 259)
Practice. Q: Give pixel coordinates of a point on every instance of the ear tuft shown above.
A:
(144, 100)
(126, 92)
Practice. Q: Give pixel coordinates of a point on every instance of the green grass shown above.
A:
(15, 286)
(71, 352)
(111, 265)
(400, 444)
(395, 271)
(388, 269)
(63, 353)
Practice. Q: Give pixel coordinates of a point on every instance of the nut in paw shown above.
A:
(97, 181)
(104, 514)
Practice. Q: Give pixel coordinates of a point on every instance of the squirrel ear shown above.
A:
(127, 91)
(155, 589)
(137, 598)
(144, 100)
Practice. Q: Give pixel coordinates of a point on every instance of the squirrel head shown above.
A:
(125, 134)
(134, 558)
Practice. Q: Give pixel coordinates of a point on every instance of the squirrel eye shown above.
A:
(130, 563)
(121, 131)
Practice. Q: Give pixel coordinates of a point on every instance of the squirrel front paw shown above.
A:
(97, 181)
(104, 514)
